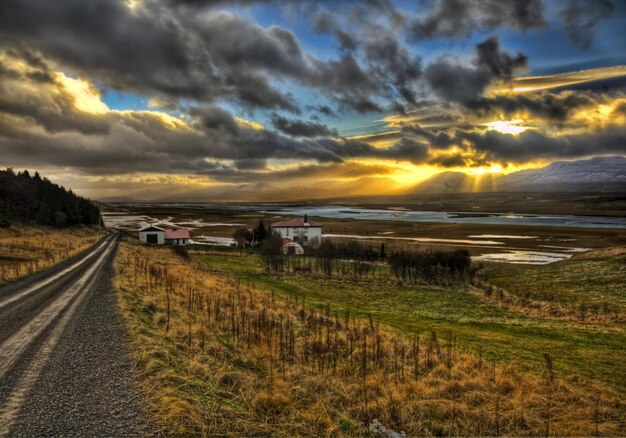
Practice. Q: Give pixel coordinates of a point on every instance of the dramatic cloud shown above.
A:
(461, 18)
(455, 81)
(581, 18)
(199, 91)
(298, 128)
(532, 145)
(178, 53)
(550, 107)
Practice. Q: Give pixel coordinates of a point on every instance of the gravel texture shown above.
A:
(87, 386)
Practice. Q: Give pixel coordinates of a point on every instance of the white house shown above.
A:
(159, 236)
(300, 230)
(153, 235)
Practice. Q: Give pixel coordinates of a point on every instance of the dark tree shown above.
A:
(260, 232)
(243, 237)
(35, 200)
(272, 252)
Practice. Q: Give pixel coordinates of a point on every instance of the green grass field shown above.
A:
(592, 281)
(580, 350)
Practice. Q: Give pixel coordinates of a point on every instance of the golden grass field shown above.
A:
(218, 356)
(25, 250)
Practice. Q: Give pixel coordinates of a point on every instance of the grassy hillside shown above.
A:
(580, 349)
(239, 353)
(594, 281)
(25, 250)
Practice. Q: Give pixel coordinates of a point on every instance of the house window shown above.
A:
(305, 229)
(295, 230)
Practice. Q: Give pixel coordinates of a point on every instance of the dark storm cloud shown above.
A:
(461, 18)
(323, 21)
(550, 107)
(501, 64)
(188, 55)
(437, 139)
(167, 49)
(372, 32)
(346, 41)
(178, 53)
(465, 84)
(406, 149)
(251, 164)
(394, 66)
(532, 145)
(299, 128)
(324, 110)
(450, 160)
(582, 17)
(454, 81)
(131, 141)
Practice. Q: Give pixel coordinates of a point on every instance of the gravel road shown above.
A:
(65, 368)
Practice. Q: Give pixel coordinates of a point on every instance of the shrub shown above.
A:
(271, 252)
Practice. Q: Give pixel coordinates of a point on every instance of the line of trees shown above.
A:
(440, 267)
(36, 200)
(354, 259)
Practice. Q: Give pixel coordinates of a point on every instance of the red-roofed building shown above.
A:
(300, 230)
(177, 236)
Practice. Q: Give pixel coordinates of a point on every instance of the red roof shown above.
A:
(285, 241)
(297, 222)
(177, 233)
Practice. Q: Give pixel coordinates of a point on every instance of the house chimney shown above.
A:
(306, 218)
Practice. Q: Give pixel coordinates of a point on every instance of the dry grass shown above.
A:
(25, 250)
(217, 357)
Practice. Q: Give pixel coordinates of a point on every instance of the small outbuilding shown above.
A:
(152, 235)
(291, 247)
(177, 236)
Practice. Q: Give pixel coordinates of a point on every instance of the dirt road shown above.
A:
(64, 366)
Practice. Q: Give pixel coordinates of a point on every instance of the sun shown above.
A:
(507, 126)
(485, 170)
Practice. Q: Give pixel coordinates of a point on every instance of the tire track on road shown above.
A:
(10, 411)
(12, 348)
(45, 316)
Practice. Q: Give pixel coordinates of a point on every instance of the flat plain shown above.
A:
(587, 347)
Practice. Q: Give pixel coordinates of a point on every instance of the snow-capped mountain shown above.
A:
(599, 173)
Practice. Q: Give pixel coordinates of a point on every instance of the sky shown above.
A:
(256, 100)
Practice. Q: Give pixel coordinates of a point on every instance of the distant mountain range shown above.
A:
(599, 174)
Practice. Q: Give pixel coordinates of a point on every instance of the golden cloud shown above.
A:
(537, 83)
